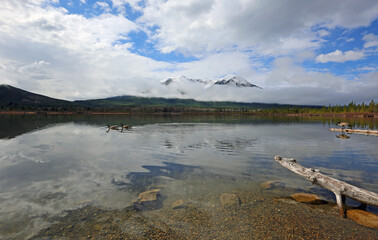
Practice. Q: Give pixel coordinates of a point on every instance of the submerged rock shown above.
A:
(178, 204)
(119, 181)
(272, 184)
(148, 200)
(307, 198)
(364, 218)
(229, 200)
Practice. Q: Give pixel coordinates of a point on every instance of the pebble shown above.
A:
(229, 199)
(178, 204)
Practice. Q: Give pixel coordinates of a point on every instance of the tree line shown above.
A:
(352, 107)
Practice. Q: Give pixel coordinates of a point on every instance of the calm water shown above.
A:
(49, 164)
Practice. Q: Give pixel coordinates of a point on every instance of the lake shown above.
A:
(55, 169)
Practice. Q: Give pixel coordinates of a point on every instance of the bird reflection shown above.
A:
(343, 136)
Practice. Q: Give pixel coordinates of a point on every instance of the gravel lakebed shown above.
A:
(257, 213)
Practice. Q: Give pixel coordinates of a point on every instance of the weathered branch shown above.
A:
(358, 131)
(339, 188)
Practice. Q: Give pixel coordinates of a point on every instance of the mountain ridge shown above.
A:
(229, 80)
(15, 98)
(12, 95)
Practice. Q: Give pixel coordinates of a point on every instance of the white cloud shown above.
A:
(120, 5)
(50, 51)
(198, 26)
(339, 56)
(37, 66)
(323, 33)
(367, 68)
(217, 65)
(290, 83)
(54, 27)
(371, 40)
(103, 5)
(82, 53)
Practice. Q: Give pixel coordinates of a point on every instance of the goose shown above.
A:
(114, 127)
(344, 124)
(125, 126)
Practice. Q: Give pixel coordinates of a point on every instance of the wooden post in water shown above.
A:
(339, 188)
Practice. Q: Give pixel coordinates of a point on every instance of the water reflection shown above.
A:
(343, 136)
(156, 175)
(15, 125)
(229, 146)
(50, 164)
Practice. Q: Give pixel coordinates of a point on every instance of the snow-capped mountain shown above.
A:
(229, 80)
(237, 81)
(181, 78)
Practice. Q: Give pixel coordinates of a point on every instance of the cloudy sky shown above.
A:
(299, 52)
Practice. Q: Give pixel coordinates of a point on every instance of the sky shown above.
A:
(300, 52)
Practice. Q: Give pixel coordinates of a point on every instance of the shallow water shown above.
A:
(51, 164)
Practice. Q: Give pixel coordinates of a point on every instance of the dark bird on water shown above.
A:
(125, 126)
(344, 124)
(114, 127)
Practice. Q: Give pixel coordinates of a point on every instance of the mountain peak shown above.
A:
(234, 80)
(229, 76)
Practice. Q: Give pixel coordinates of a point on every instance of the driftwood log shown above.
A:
(339, 188)
(358, 131)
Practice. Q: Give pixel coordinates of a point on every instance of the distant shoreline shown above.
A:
(346, 115)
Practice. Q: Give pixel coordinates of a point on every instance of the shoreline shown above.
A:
(332, 115)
